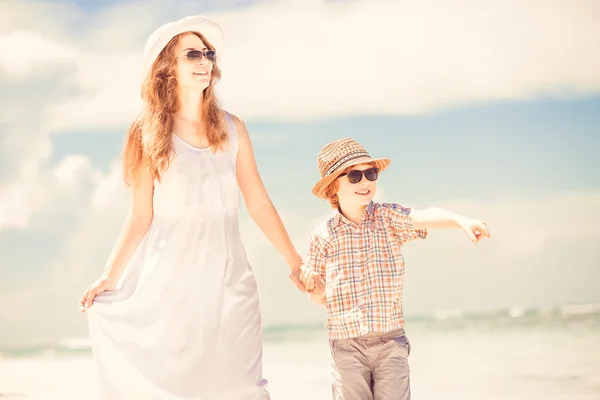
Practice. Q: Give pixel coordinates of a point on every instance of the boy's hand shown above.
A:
(295, 277)
(313, 283)
(475, 229)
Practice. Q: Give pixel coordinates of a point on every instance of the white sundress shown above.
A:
(184, 321)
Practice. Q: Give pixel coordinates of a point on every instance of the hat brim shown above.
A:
(321, 186)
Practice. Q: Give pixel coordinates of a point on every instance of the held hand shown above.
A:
(295, 273)
(103, 284)
(313, 283)
(475, 229)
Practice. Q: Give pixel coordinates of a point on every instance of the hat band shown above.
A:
(349, 157)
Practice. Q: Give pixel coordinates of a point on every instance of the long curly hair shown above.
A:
(148, 139)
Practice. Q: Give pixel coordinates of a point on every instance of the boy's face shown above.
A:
(361, 193)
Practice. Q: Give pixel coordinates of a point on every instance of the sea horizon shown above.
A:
(441, 320)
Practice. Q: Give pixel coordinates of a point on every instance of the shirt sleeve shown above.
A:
(403, 224)
(317, 256)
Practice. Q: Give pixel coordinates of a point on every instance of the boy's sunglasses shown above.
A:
(355, 175)
(195, 56)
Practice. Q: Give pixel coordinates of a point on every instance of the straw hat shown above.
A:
(163, 35)
(338, 155)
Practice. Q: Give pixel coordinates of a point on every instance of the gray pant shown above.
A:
(371, 367)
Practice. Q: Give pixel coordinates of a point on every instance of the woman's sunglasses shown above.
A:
(195, 56)
(355, 175)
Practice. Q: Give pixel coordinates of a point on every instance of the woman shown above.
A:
(176, 312)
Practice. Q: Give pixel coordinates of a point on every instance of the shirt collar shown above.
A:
(370, 208)
(339, 217)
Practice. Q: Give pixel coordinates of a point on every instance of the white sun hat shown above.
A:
(163, 35)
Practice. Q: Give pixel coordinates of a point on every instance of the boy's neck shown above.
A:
(353, 214)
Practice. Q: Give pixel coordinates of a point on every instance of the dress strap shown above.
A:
(233, 137)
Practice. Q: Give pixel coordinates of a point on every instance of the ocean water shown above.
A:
(547, 354)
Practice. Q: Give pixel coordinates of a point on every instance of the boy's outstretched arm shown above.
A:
(438, 218)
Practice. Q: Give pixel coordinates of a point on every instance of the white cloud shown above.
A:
(313, 59)
(22, 53)
(19, 202)
(398, 57)
(34, 15)
(109, 99)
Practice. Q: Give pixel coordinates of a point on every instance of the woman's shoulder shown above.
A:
(234, 118)
(238, 123)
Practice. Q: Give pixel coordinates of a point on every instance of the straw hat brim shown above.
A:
(321, 186)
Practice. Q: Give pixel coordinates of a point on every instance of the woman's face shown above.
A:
(193, 71)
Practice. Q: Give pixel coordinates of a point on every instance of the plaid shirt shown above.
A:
(363, 269)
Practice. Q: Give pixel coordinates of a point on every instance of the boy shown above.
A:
(357, 253)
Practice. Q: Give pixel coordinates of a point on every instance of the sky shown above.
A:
(488, 108)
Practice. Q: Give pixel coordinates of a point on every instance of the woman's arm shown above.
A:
(134, 228)
(259, 205)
